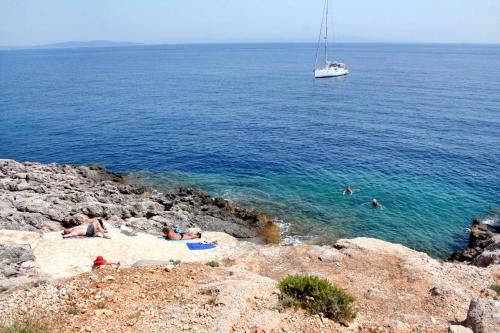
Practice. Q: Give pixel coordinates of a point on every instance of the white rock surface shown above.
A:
(67, 257)
(459, 329)
(13, 237)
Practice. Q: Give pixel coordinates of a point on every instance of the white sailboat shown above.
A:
(332, 68)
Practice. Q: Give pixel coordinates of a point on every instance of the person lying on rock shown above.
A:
(178, 233)
(94, 228)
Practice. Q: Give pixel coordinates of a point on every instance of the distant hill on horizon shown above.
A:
(74, 44)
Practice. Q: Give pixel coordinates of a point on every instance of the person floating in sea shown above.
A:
(349, 190)
(376, 204)
(93, 228)
(178, 233)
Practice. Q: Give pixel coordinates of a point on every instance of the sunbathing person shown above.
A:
(94, 228)
(178, 233)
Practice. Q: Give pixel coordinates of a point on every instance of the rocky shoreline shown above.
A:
(396, 289)
(484, 245)
(38, 197)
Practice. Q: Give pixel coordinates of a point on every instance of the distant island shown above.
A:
(73, 44)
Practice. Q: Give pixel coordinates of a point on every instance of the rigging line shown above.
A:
(326, 34)
(319, 37)
(332, 38)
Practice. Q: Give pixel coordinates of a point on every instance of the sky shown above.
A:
(36, 22)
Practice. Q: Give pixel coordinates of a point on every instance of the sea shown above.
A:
(415, 126)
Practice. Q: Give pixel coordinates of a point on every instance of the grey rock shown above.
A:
(31, 204)
(459, 329)
(375, 294)
(325, 254)
(92, 210)
(124, 189)
(56, 214)
(483, 316)
(142, 263)
(483, 238)
(489, 256)
(74, 220)
(20, 176)
(106, 294)
(144, 209)
(111, 210)
(137, 223)
(28, 264)
(14, 282)
(436, 291)
(36, 221)
(126, 213)
(12, 259)
(23, 186)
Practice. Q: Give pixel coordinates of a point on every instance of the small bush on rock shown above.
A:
(73, 311)
(317, 295)
(213, 263)
(26, 325)
(176, 262)
(496, 288)
(271, 233)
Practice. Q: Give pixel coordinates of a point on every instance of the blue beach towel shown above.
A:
(200, 246)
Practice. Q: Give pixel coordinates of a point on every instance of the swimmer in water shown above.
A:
(376, 204)
(349, 190)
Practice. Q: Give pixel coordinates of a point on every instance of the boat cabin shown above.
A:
(335, 65)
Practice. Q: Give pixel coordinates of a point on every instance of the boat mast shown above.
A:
(326, 34)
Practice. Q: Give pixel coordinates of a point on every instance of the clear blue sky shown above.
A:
(31, 22)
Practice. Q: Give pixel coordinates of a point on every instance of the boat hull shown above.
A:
(325, 73)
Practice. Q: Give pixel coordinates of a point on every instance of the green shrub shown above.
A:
(26, 325)
(73, 311)
(317, 295)
(213, 263)
(495, 287)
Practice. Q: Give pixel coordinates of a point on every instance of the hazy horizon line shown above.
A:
(67, 44)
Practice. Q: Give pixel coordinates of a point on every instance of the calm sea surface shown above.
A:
(416, 126)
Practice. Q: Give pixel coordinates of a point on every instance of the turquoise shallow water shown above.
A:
(416, 126)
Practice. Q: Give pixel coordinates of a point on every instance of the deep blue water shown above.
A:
(416, 126)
